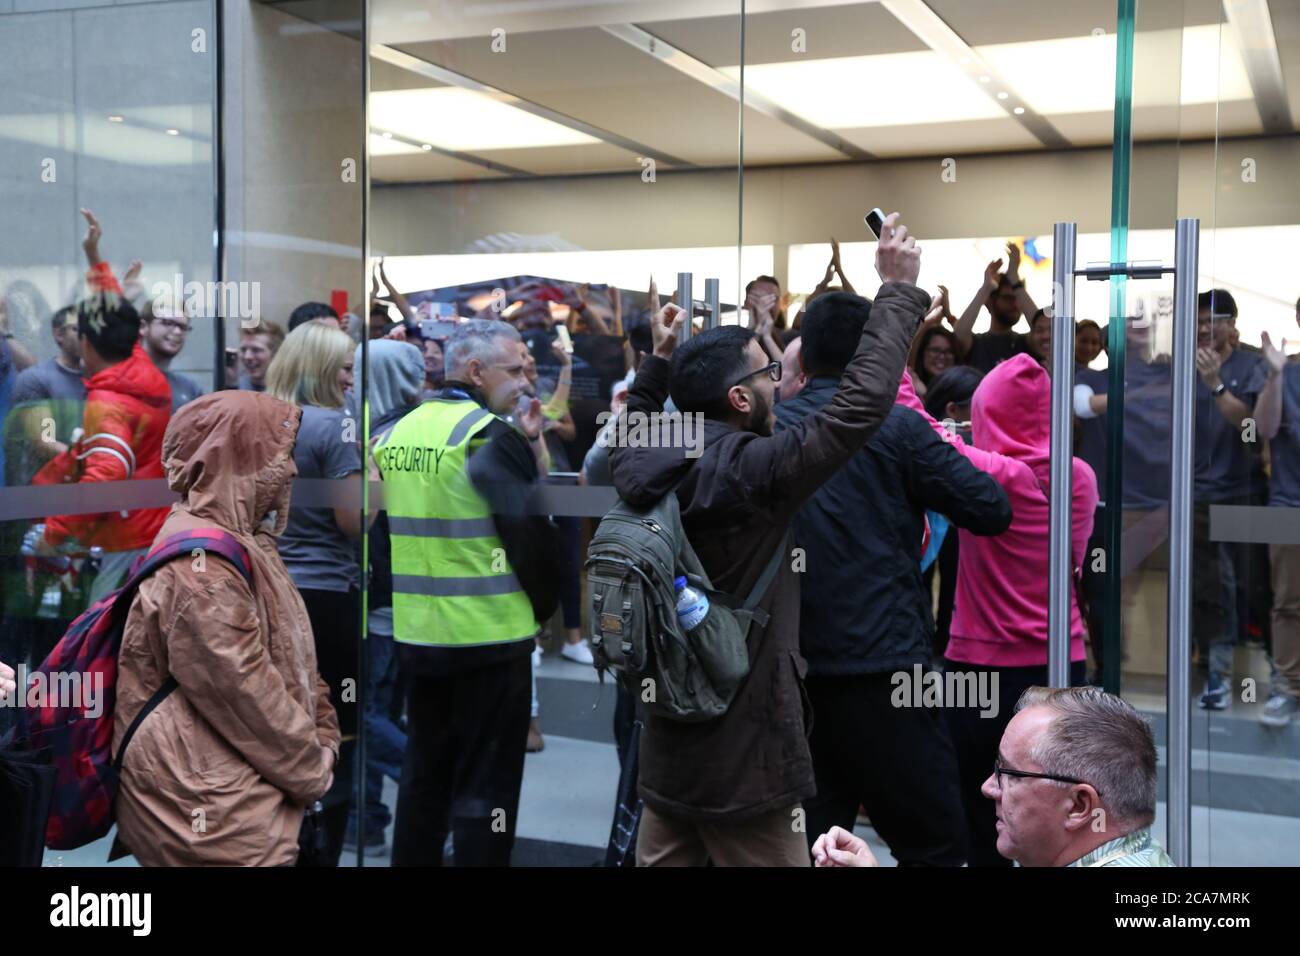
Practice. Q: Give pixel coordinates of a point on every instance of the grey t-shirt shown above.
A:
(1225, 466)
(62, 392)
(1284, 449)
(184, 389)
(316, 553)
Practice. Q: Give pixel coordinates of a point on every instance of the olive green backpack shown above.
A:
(632, 561)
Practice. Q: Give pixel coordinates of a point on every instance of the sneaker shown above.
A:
(536, 743)
(1215, 695)
(537, 656)
(579, 653)
(375, 845)
(1279, 709)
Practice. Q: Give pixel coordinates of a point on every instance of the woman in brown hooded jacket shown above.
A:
(221, 771)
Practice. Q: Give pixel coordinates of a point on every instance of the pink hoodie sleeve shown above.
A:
(983, 460)
(1084, 509)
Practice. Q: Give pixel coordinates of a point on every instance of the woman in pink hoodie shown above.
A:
(999, 624)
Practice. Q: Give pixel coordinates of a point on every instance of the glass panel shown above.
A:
(110, 109)
(295, 181)
(1247, 761)
(541, 166)
(958, 115)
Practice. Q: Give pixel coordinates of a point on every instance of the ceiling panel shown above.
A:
(942, 139)
(590, 75)
(425, 167)
(862, 28)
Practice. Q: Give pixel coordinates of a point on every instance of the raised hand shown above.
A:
(1208, 364)
(531, 418)
(665, 327)
(1274, 356)
(947, 309)
(90, 245)
(991, 275)
(898, 257)
(1013, 262)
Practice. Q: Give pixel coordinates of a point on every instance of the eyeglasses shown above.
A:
(173, 325)
(932, 350)
(999, 770)
(773, 370)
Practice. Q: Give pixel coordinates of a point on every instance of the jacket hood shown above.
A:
(230, 457)
(137, 376)
(1011, 411)
(394, 377)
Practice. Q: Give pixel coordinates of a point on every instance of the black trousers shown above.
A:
(464, 765)
(897, 762)
(336, 626)
(976, 740)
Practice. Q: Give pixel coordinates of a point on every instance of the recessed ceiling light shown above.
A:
(942, 91)
(115, 119)
(466, 120)
(1066, 75)
(1002, 95)
(984, 78)
(1018, 110)
(388, 135)
(425, 146)
(173, 132)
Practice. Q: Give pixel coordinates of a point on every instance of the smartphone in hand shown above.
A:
(875, 221)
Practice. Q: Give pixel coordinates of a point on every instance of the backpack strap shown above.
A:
(750, 607)
(174, 546)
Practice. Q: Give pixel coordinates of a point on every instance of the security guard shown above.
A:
(473, 575)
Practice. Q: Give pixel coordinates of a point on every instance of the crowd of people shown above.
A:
(899, 457)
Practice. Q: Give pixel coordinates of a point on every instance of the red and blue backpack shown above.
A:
(80, 745)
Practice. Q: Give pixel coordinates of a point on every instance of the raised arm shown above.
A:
(1268, 407)
(1024, 302)
(399, 300)
(963, 329)
(793, 463)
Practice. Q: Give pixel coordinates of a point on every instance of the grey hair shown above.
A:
(476, 339)
(1098, 738)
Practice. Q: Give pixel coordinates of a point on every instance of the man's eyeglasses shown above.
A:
(173, 325)
(999, 770)
(773, 370)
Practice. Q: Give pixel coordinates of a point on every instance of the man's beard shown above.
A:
(760, 419)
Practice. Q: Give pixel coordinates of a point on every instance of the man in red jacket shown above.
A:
(128, 405)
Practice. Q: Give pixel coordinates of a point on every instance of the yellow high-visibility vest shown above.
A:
(452, 583)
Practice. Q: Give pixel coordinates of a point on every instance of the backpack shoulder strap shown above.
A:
(174, 546)
(206, 539)
(750, 607)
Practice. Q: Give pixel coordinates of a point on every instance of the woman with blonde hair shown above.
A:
(313, 369)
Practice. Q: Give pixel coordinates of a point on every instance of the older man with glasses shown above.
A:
(1074, 784)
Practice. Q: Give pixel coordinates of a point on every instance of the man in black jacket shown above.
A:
(865, 614)
(730, 789)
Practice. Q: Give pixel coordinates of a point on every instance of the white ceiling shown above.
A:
(565, 96)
